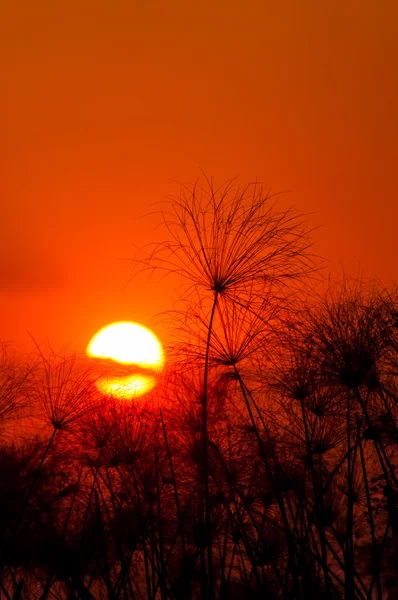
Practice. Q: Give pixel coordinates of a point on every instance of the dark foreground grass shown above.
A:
(264, 465)
(108, 499)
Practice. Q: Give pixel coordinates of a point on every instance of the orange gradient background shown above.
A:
(105, 104)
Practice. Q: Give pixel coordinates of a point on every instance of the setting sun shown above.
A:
(132, 346)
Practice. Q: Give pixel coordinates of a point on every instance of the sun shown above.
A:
(133, 357)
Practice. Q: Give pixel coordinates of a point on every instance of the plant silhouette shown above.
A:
(263, 466)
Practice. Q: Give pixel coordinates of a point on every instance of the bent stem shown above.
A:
(211, 590)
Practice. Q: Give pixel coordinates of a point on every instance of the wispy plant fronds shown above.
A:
(239, 335)
(350, 336)
(15, 380)
(224, 239)
(63, 390)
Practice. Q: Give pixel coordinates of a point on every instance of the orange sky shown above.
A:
(104, 104)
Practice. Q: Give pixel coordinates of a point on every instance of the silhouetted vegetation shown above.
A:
(264, 465)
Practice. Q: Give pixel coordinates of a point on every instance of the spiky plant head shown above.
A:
(349, 335)
(64, 390)
(224, 239)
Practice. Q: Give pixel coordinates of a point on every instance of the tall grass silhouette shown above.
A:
(231, 246)
(263, 466)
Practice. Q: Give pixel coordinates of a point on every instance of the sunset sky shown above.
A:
(106, 106)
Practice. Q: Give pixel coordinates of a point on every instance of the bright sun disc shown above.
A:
(127, 343)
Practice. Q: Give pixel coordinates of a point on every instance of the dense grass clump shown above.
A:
(264, 465)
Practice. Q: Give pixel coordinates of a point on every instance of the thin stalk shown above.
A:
(231, 564)
(379, 557)
(48, 585)
(388, 409)
(278, 494)
(146, 566)
(160, 529)
(177, 500)
(88, 506)
(121, 579)
(174, 540)
(72, 504)
(223, 553)
(33, 484)
(355, 573)
(139, 508)
(370, 513)
(7, 595)
(105, 570)
(319, 505)
(36, 477)
(379, 447)
(108, 483)
(211, 590)
(349, 558)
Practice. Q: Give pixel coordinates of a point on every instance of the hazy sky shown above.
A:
(105, 104)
